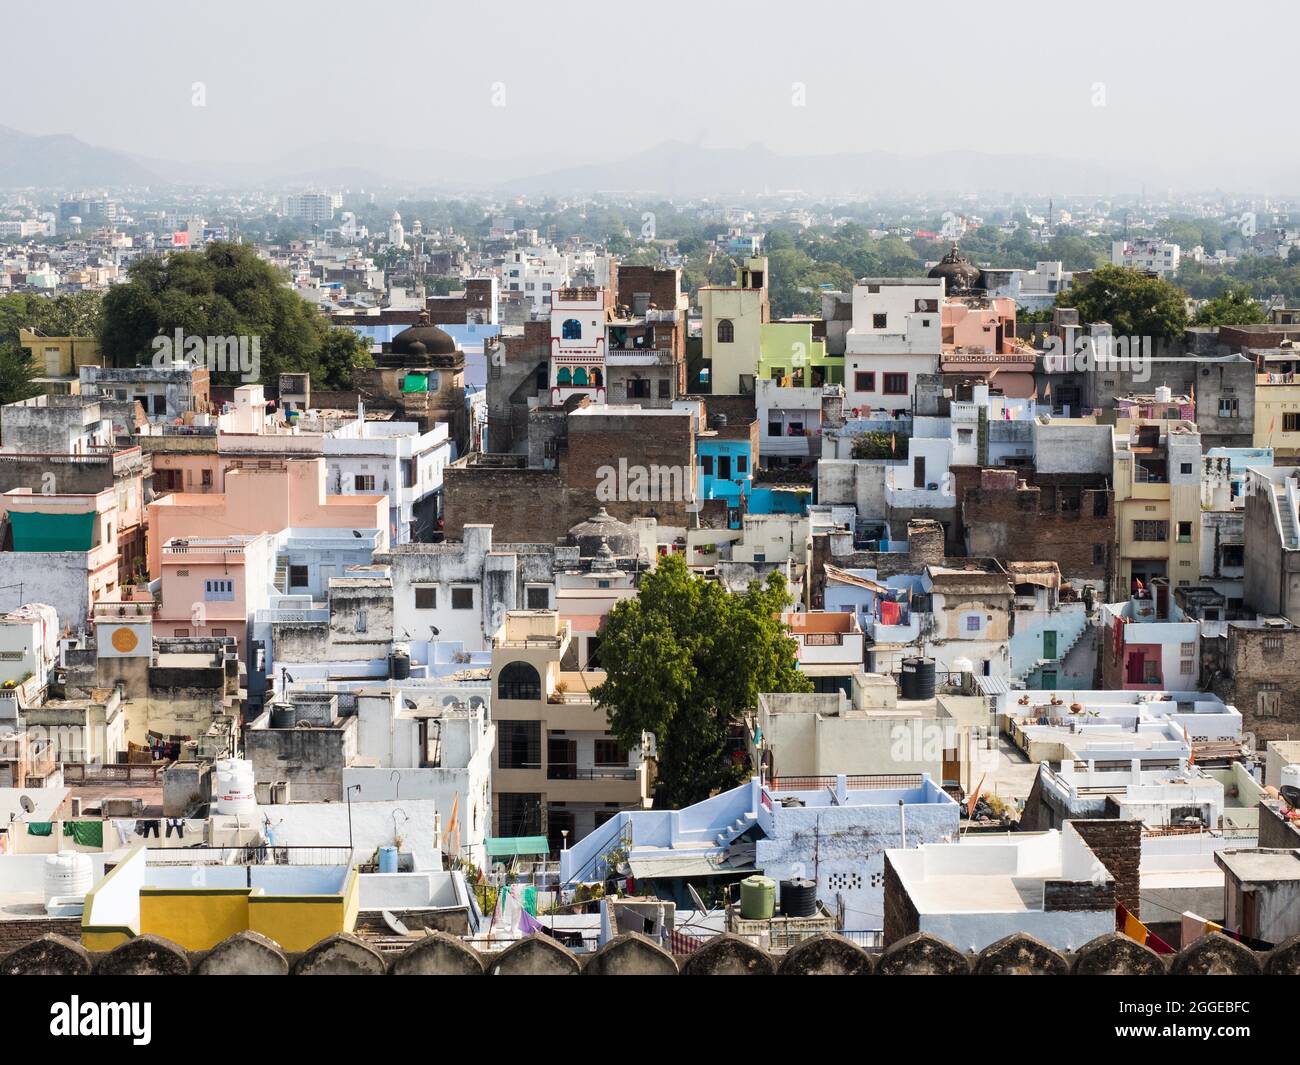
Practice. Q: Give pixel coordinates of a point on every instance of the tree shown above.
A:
(343, 351)
(1234, 307)
(683, 660)
(1132, 302)
(72, 314)
(225, 290)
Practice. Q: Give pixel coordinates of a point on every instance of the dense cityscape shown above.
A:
(699, 561)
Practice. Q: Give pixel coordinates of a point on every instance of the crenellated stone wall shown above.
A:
(920, 954)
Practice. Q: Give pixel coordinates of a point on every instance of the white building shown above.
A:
(395, 458)
(896, 336)
(536, 272)
(973, 893)
(1151, 256)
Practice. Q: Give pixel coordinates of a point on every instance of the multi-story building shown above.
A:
(896, 338)
(1277, 404)
(559, 772)
(1150, 256)
(1272, 541)
(732, 329)
(1157, 483)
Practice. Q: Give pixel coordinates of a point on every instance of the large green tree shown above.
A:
(72, 314)
(225, 290)
(1234, 307)
(1134, 303)
(683, 661)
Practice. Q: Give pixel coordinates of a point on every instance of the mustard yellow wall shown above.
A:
(196, 919)
(104, 940)
(297, 923)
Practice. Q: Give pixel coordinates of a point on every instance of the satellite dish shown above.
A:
(29, 807)
(1291, 795)
(695, 898)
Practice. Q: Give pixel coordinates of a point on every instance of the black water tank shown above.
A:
(283, 715)
(917, 678)
(399, 666)
(798, 898)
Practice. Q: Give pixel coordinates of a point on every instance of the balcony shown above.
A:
(581, 771)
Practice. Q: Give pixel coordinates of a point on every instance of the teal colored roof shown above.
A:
(512, 846)
(52, 532)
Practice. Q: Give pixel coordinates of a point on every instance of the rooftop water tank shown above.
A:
(1164, 394)
(68, 873)
(757, 898)
(916, 681)
(798, 897)
(234, 793)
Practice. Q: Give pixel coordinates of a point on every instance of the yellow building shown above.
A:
(198, 906)
(558, 768)
(1277, 405)
(734, 316)
(1157, 477)
(57, 361)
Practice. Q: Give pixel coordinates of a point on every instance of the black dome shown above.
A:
(423, 338)
(960, 276)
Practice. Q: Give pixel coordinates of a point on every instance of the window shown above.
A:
(462, 599)
(773, 428)
(298, 577)
(895, 384)
(973, 623)
(219, 590)
(1188, 665)
(520, 743)
(1184, 532)
(1227, 408)
(726, 331)
(1185, 468)
(880, 321)
(638, 389)
(426, 597)
(742, 463)
(609, 752)
(1147, 531)
(519, 814)
(207, 479)
(563, 377)
(1272, 644)
(864, 381)
(1291, 423)
(663, 389)
(180, 632)
(571, 329)
(537, 598)
(219, 632)
(706, 463)
(519, 680)
(1098, 554)
(364, 482)
(1232, 555)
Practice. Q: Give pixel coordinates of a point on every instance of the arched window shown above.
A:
(597, 378)
(726, 331)
(563, 377)
(571, 330)
(519, 680)
(579, 377)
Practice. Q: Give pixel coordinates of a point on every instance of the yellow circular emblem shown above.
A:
(125, 640)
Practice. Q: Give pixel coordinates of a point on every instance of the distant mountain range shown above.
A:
(671, 169)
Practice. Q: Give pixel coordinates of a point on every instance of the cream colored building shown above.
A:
(734, 316)
(557, 768)
(1157, 477)
(1277, 405)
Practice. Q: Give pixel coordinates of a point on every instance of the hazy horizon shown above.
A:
(1123, 88)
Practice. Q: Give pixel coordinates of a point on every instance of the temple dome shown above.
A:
(961, 277)
(423, 338)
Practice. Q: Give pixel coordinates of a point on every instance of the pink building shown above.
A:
(210, 586)
(263, 496)
(979, 338)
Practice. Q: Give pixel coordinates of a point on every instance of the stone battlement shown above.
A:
(248, 953)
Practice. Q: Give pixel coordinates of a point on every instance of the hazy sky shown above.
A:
(1190, 81)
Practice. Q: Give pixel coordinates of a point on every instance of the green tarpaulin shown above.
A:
(415, 382)
(52, 532)
(513, 846)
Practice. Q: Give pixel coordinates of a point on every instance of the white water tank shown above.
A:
(1164, 394)
(1290, 774)
(68, 873)
(233, 789)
